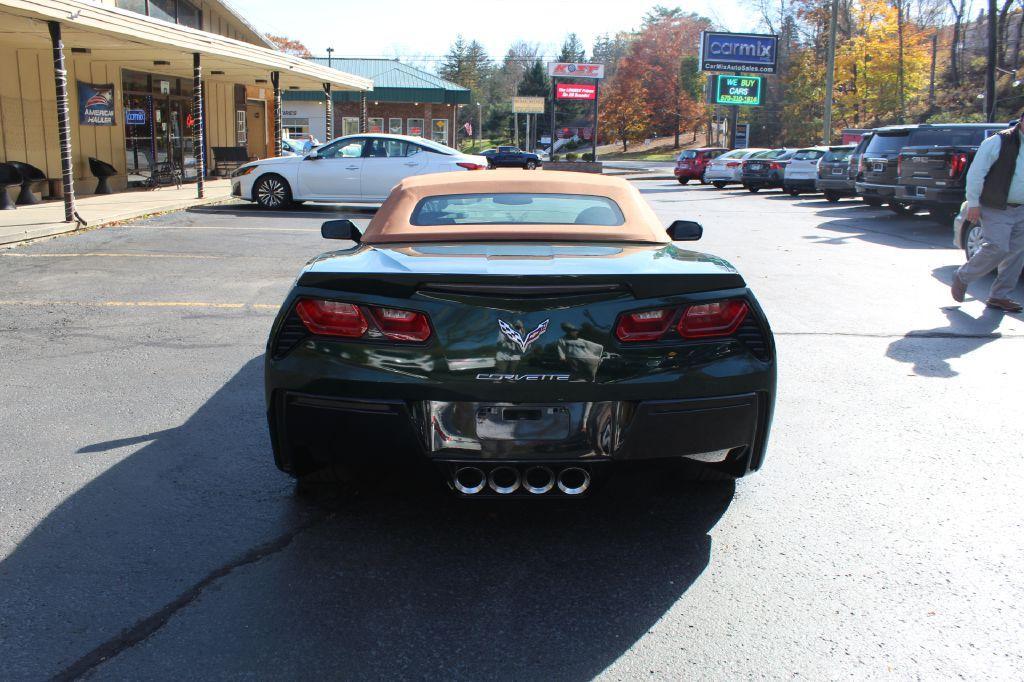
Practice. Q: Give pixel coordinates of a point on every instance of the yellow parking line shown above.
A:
(142, 304)
(226, 227)
(109, 255)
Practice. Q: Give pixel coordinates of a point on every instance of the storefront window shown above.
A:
(395, 126)
(376, 125)
(132, 5)
(350, 125)
(175, 11)
(439, 130)
(188, 15)
(415, 127)
(162, 9)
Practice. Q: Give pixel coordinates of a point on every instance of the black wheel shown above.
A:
(719, 185)
(941, 215)
(793, 192)
(753, 189)
(832, 197)
(530, 165)
(971, 239)
(272, 192)
(900, 208)
(871, 201)
(683, 181)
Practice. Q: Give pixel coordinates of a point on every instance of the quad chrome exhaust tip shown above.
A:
(469, 480)
(504, 480)
(538, 480)
(573, 480)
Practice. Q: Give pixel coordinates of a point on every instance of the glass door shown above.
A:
(139, 150)
(180, 137)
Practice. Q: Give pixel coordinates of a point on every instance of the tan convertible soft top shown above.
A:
(391, 223)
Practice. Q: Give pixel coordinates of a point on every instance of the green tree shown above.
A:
(572, 50)
(535, 81)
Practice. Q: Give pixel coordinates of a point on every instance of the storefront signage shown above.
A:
(756, 53)
(528, 105)
(742, 90)
(135, 117)
(575, 91)
(575, 70)
(96, 104)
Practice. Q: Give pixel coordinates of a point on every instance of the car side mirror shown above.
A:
(685, 231)
(341, 229)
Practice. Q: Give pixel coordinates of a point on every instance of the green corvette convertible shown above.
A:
(526, 332)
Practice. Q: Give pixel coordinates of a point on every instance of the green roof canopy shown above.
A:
(393, 81)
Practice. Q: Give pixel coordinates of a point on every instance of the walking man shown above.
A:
(995, 197)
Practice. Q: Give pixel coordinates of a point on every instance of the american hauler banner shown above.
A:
(96, 104)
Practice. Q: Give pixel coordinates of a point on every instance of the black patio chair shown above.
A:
(30, 175)
(103, 171)
(10, 176)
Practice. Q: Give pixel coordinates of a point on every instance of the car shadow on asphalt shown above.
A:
(247, 210)
(197, 534)
(907, 232)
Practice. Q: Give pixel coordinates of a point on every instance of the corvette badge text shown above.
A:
(522, 377)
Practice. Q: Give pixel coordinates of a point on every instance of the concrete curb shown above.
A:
(30, 233)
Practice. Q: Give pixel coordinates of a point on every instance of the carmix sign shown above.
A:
(741, 90)
(748, 52)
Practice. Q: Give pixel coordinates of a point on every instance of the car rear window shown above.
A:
(688, 154)
(808, 155)
(838, 156)
(949, 137)
(889, 143)
(516, 209)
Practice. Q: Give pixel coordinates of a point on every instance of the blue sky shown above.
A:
(422, 28)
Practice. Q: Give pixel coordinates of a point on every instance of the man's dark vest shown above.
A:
(997, 182)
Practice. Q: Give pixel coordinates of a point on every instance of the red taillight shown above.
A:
(774, 165)
(347, 320)
(731, 164)
(332, 318)
(646, 325)
(720, 318)
(402, 325)
(957, 164)
(470, 166)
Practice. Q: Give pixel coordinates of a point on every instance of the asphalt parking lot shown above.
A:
(145, 533)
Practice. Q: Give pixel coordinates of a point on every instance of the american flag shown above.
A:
(102, 97)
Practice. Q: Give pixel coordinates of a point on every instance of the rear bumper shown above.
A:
(842, 186)
(931, 196)
(868, 189)
(799, 183)
(691, 173)
(760, 181)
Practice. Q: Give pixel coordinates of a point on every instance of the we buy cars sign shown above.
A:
(575, 91)
(575, 70)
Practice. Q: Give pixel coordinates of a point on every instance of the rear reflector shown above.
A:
(470, 166)
(721, 318)
(647, 325)
(402, 325)
(331, 318)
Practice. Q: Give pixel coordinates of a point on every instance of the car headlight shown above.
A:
(244, 170)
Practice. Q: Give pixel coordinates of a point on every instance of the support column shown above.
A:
(60, 77)
(364, 124)
(198, 125)
(275, 80)
(329, 112)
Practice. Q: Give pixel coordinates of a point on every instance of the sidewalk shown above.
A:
(47, 219)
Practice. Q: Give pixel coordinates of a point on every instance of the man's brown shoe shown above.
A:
(1007, 304)
(958, 289)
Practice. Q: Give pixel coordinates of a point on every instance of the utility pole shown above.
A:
(990, 71)
(830, 74)
(931, 80)
(329, 64)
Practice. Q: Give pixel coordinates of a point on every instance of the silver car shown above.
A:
(966, 235)
(727, 169)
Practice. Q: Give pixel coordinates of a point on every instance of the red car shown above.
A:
(691, 162)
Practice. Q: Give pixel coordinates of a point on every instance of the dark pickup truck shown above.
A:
(511, 157)
(932, 166)
(876, 181)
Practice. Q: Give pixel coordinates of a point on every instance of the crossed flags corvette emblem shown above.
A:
(513, 335)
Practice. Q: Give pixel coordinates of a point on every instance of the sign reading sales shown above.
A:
(575, 70)
(575, 91)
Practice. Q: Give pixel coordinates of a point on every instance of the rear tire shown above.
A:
(793, 192)
(941, 215)
(900, 208)
(719, 185)
(871, 201)
(272, 192)
(832, 197)
(683, 181)
(530, 165)
(753, 189)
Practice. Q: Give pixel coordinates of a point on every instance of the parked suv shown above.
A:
(834, 173)
(932, 166)
(802, 171)
(765, 170)
(856, 173)
(878, 167)
(690, 163)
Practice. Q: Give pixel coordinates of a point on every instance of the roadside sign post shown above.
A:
(737, 52)
(528, 106)
(593, 72)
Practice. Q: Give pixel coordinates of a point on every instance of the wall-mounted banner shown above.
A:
(575, 70)
(575, 91)
(755, 53)
(96, 104)
(742, 90)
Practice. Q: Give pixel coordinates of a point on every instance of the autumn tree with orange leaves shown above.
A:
(289, 46)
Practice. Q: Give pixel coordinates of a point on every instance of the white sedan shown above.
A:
(356, 168)
(728, 168)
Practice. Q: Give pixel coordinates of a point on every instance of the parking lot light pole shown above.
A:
(830, 69)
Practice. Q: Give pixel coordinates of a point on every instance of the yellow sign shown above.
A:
(528, 105)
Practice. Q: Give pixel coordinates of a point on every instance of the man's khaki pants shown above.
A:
(1002, 247)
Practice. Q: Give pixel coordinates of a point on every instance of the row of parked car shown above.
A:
(907, 168)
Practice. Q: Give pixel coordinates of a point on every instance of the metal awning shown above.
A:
(137, 41)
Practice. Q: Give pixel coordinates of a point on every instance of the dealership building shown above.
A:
(139, 86)
(405, 101)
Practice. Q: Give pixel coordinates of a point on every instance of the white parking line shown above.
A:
(15, 254)
(225, 227)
